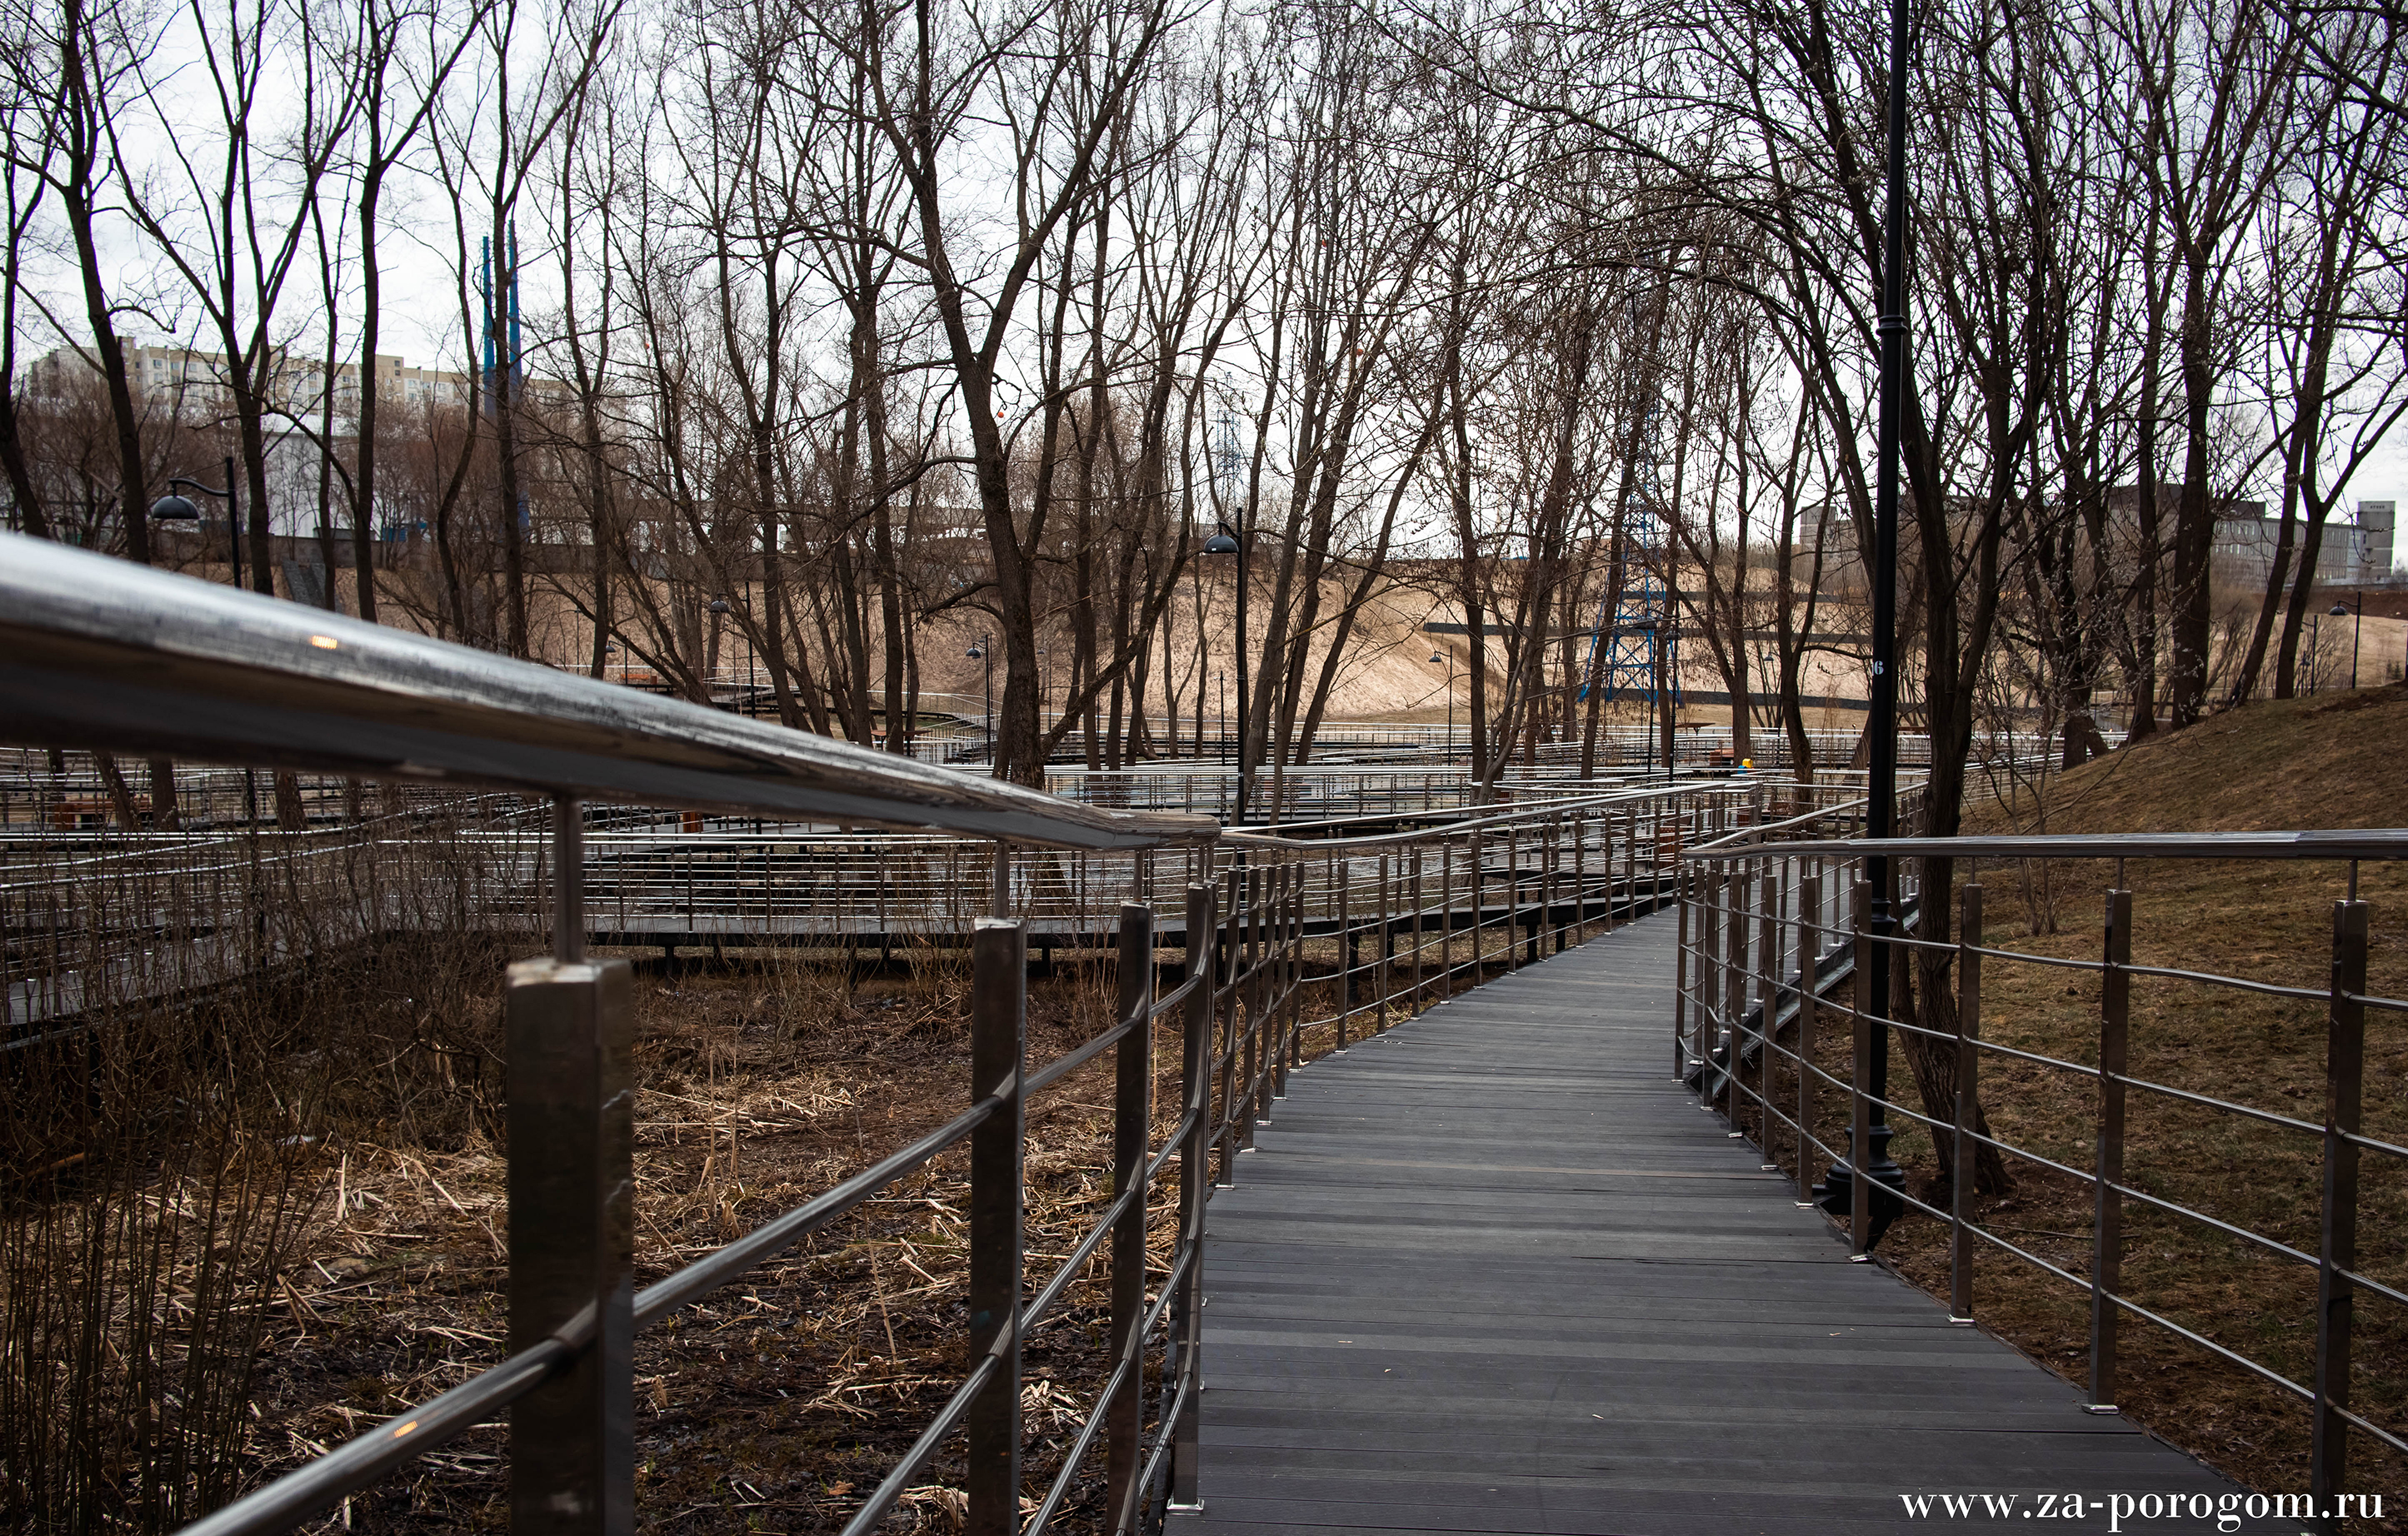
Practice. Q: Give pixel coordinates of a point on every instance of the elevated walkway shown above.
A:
(1495, 1272)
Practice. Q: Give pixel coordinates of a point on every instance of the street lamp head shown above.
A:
(719, 605)
(173, 508)
(2339, 610)
(1437, 656)
(1220, 544)
(976, 653)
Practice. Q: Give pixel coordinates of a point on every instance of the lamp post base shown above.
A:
(1836, 1194)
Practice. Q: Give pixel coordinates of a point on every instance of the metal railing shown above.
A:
(1774, 944)
(104, 656)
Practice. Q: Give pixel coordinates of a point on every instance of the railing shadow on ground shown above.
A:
(107, 657)
(1774, 944)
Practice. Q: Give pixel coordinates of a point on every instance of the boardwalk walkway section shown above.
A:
(1493, 1271)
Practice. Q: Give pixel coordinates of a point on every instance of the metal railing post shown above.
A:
(1195, 1173)
(572, 1242)
(1968, 1060)
(1417, 928)
(2345, 1082)
(1132, 1097)
(998, 1059)
(2107, 1228)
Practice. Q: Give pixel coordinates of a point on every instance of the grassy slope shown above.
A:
(2335, 761)
(2338, 760)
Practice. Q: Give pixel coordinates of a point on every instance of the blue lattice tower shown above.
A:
(1634, 624)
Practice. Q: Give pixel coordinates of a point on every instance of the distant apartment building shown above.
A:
(193, 384)
(188, 387)
(2354, 553)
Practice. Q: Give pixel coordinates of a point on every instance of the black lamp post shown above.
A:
(175, 508)
(1448, 657)
(2356, 620)
(1836, 1193)
(1226, 543)
(1222, 677)
(982, 651)
(718, 612)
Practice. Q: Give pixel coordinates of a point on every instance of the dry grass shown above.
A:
(781, 1402)
(2333, 762)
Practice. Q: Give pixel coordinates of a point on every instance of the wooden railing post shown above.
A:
(1379, 981)
(1132, 1098)
(1295, 916)
(1629, 859)
(998, 1059)
(1255, 991)
(1860, 1117)
(1580, 876)
(1734, 978)
(1195, 1084)
(1969, 1066)
(2345, 1080)
(1655, 857)
(1554, 875)
(1347, 950)
(1768, 994)
(1287, 885)
(1446, 922)
(1683, 972)
(1478, 901)
(1710, 1020)
(1512, 897)
(572, 1242)
(1226, 991)
(2107, 1222)
(1810, 949)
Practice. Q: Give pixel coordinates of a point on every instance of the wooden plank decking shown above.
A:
(1493, 1271)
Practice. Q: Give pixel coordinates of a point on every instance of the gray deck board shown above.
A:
(1493, 1271)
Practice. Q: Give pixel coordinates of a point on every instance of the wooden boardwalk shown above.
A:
(1493, 1271)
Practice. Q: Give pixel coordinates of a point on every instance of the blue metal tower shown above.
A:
(1634, 623)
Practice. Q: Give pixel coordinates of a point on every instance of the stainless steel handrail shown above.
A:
(97, 653)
